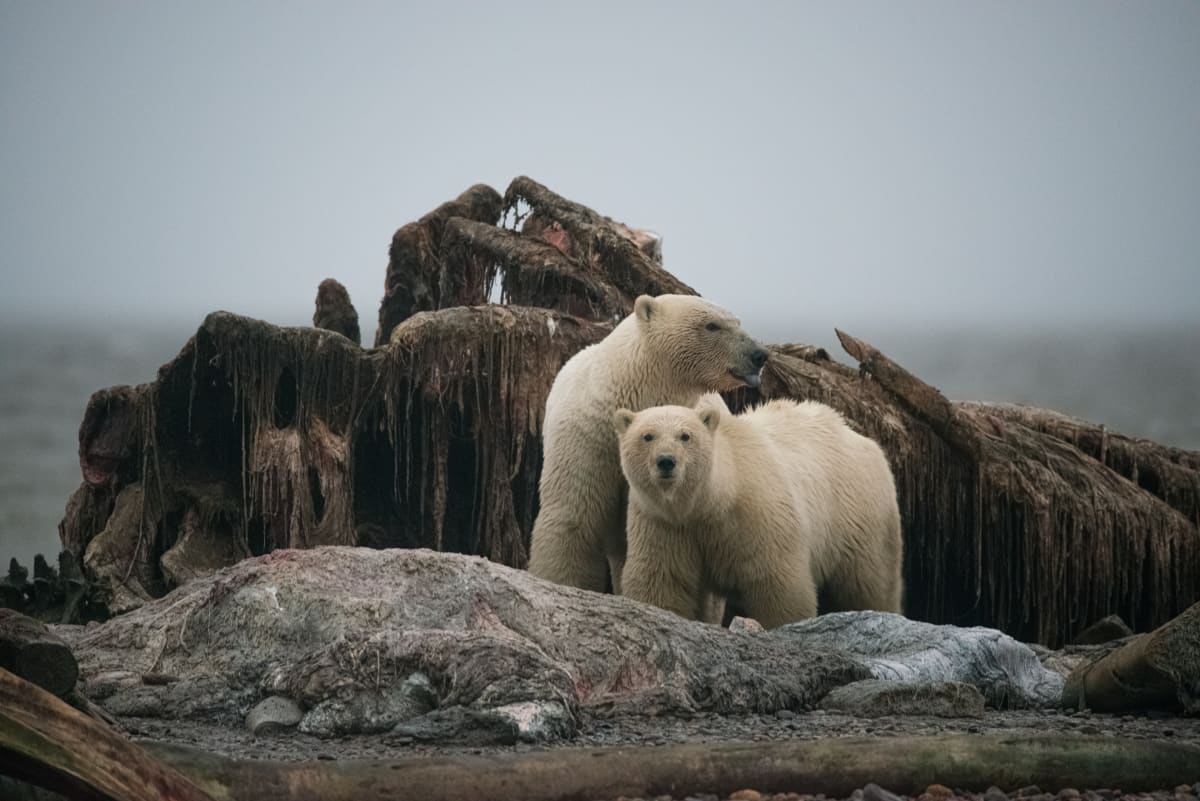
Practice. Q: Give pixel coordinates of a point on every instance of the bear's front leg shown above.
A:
(778, 599)
(663, 567)
(579, 525)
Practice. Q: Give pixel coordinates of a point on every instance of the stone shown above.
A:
(745, 625)
(1007, 672)
(873, 792)
(1104, 630)
(874, 698)
(272, 715)
(745, 795)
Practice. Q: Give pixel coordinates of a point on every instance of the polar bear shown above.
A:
(763, 508)
(672, 349)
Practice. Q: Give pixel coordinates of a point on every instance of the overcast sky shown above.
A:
(923, 162)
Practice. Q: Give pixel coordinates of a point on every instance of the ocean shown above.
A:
(1143, 383)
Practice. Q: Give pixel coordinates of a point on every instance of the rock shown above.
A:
(1089, 729)
(938, 791)
(873, 792)
(1104, 630)
(874, 698)
(745, 625)
(354, 634)
(31, 651)
(1007, 672)
(445, 647)
(745, 795)
(335, 312)
(994, 793)
(201, 549)
(785, 714)
(273, 715)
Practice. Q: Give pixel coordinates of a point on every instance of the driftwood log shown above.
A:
(1160, 669)
(28, 649)
(257, 437)
(48, 744)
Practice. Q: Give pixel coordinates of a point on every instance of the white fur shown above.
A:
(764, 508)
(662, 353)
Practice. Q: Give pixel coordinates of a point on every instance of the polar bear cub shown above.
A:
(763, 508)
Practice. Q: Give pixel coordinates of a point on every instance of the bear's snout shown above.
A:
(666, 465)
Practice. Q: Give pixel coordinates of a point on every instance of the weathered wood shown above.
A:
(335, 312)
(1160, 669)
(29, 650)
(47, 743)
(1170, 474)
(835, 767)
(416, 276)
(604, 246)
(535, 272)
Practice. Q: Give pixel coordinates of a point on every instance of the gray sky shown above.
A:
(920, 162)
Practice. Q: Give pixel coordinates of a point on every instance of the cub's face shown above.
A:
(666, 454)
(702, 343)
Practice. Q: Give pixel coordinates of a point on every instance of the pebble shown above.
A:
(938, 791)
(873, 792)
(1168, 732)
(994, 793)
(1029, 790)
(785, 714)
(1068, 794)
(1089, 729)
(746, 795)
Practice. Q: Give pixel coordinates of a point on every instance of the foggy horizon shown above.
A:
(917, 165)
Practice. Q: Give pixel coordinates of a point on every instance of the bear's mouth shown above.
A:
(751, 380)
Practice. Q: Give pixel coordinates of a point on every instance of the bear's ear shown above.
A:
(710, 413)
(644, 308)
(622, 419)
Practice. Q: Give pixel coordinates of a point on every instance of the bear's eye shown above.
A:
(648, 437)
(685, 437)
(713, 327)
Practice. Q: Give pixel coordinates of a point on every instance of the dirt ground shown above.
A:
(598, 732)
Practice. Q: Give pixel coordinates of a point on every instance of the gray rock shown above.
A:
(1104, 630)
(745, 625)
(273, 715)
(873, 792)
(439, 646)
(874, 698)
(1007, 672)
(345, 631)
(371, 710)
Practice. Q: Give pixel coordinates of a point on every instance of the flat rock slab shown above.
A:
(436, 646)
(894, 648)
(874, 698)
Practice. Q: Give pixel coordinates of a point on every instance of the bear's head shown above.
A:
(666, 454)
(701, 343)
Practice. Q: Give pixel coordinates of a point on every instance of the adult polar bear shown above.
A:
(761, 508)
(672, 349)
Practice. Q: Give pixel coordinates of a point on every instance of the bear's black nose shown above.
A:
(666, 464)
(758, 358)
